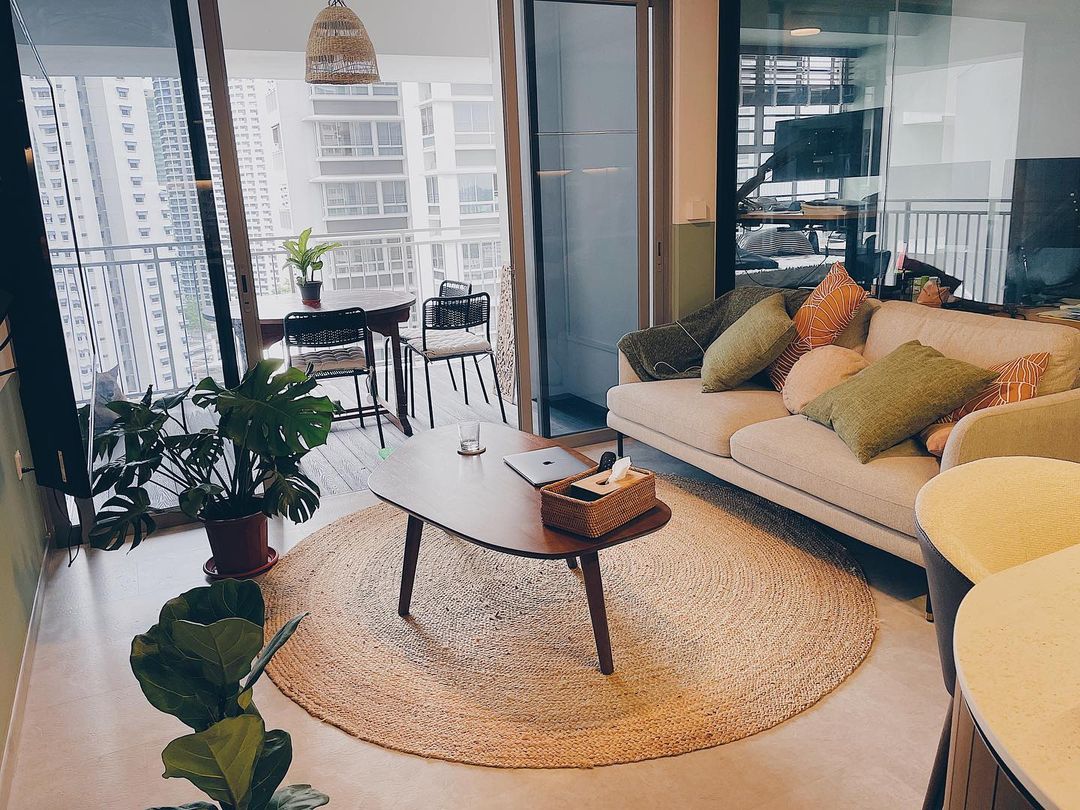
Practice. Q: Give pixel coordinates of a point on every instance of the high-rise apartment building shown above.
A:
(403, 174)
(129, 307)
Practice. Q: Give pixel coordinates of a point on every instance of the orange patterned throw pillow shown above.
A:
(1017, 380)
(821, 318)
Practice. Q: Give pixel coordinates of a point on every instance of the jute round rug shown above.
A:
(734, 617)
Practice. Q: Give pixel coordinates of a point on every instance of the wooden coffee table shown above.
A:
(482, 500)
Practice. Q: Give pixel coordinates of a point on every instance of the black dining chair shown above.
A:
(445, 334)
(336, 344)
(447, 289)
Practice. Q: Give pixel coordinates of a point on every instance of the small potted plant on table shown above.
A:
(306, 260)
(230, 477)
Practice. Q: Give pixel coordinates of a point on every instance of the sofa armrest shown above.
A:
(626, 371)
(1048, 427)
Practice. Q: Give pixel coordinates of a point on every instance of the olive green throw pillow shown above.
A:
(748, 346)
(896, 397)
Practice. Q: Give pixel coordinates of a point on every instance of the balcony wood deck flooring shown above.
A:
(351, 453)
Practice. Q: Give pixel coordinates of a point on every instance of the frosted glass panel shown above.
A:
(587, 184)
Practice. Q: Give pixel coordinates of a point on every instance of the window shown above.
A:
(275, 134)
(122, 92)
(125, 111)
(352, 199)
(472, 116)
(140, 199)
(389, 138)
(432, 190)
(438, 257)
(129, 129)
(478, 257)
(354, 138)
(393, 193)
(141, 216)
(130, 146)
(345, 139)
(385, 89)
(366, 198)
(477, 193)
(133, 163)
(144, 231)
(427, 121)
(54, 165)
(136, 181)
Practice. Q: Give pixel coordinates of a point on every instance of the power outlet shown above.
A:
(18, 464)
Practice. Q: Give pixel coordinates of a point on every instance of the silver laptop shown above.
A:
(540, 467)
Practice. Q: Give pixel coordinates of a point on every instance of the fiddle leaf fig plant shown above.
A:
(200, 663)
(304, 259)
(249, 462)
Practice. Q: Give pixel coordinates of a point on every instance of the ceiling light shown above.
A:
(339, 50)
(809, 31)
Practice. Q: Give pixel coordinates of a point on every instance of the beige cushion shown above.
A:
(854, 334)
(748, 346)
(447, 343)
(679, 409)
(339, 358)
(996, 513)
(896, 397)
(810, 457)
(982, 340)
(817, 371)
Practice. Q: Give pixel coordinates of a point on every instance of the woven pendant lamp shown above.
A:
(339, 50)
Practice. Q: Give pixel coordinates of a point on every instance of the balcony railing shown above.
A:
(146, 308)
(966, 238)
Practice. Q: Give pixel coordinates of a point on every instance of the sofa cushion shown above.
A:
(982, 340)
(817, 371)
(896, 397)
(679, 409)
(824, 315)
(810, 457)
(750, 346)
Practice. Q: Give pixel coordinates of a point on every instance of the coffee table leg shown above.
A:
(571, 563)
(408, 567)
(594, 590)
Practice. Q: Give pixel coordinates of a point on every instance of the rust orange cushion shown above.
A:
(1017, 380)
(823, 316)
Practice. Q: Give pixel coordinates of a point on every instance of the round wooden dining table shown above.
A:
(386, 311)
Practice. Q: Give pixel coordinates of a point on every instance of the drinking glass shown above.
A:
(469, 437)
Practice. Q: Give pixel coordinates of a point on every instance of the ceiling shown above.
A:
(402, 27)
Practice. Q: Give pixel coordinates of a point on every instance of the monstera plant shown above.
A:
(200, 663)
(230, 476)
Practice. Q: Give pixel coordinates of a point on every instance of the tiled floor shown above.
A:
(89, 739)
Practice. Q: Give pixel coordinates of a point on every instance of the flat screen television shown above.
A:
(828, 147)
(1043, 263)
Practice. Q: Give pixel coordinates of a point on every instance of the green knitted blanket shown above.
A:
(675, 351)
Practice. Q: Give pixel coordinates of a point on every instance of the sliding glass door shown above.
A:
(588, 84)
(126, 198)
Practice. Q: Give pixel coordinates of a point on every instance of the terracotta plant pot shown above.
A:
(311, 292)
(239, 547)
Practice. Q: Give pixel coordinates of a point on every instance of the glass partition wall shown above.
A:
(937, 135)
(589, 198)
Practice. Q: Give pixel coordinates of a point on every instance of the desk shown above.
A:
(845, 220)
(386, 311)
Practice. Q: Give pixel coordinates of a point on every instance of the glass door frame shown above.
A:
(653, 125)
(229, 163)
